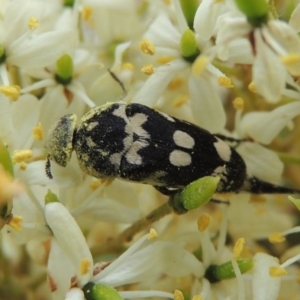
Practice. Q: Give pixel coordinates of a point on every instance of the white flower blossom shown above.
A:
(275, 46)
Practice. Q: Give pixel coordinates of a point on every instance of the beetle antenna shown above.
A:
(48, 167)
(116, 78)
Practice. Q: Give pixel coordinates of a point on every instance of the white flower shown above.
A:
(263, 127)
(28, 40)
(143, 260)
(265, 286)
(114, 14)
(276, 51)
(199, 81)
(73, 88)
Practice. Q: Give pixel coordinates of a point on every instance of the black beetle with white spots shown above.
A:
(140, 144)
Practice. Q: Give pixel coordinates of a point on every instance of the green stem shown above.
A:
(128, 234)
(286, 158)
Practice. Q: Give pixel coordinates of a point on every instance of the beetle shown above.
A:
(140, 144)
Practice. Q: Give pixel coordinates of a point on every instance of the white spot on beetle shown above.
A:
(180, 159)
(223, 149)
(115, 158)
(136, 123)
(120, 112)
(132, 155)
(183, 139)
(90, 142)
(92, 125)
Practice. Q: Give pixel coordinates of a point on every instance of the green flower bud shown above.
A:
(68, 3)
(194, 195)
(5, 159)
(215, 273)
(255, 10)
(2, 54)
(50, 197)
(188, 45)
(94, 291)
(64, 69)
(189, 8)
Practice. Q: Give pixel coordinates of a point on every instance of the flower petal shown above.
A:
(157, 258)
(261, 162)
(263, 127)
(268, 72)
(70, 239)
(153, 88)
(39, 51)
(206, 104)
(263, 285)
(295, 18)
(206, 17)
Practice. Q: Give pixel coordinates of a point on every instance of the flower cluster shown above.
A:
(231, 67)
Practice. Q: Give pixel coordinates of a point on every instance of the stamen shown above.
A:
(225, 82)
(33, 23)
(21, 155)
(38, 132)
(15, 222)
(147, 46)
(85, 266)
(238, 247)
(203, 222)
(148, 69)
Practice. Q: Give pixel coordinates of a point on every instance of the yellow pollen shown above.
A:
(238, 103)
(199, 65)
(203, 222)
(33, 23)
(107, 182)
(176, 83)
(225, 82)
(15, 223)
(95, 184)
(38, 132)
(238, 247)
(86, 13)
(85, 266)
(168, 2)
(219, 1)
(127, 66)
(179, 101)
(197, 297)
(147, 46)
(290, 59)
(21, 155)
(178, 295)
(298, 277)
(276, 237)
(10, 91)
(252, 87)
(23, 165)
(164, 59)
(148, 69)
(258, 199)
(277, 271)
(152, 234)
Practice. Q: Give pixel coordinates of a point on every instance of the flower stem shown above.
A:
(128, 234)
